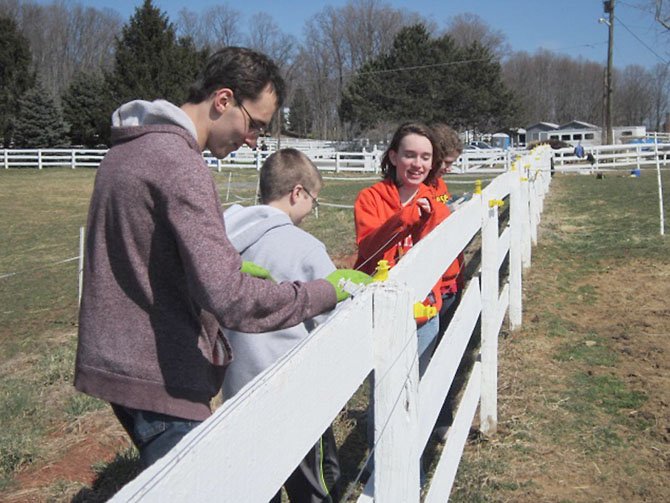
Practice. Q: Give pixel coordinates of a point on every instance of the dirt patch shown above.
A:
(73, 452)
(584, 391)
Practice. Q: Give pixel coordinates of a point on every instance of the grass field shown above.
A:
(599, 257)
(585, 384)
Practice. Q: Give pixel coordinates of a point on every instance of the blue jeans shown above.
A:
(152, 433)
(427, 338)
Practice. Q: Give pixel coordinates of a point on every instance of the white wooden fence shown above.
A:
(246, 450)
(324, 155)
(327, 158)
(614, 157)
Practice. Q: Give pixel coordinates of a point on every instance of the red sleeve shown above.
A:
(374, 228)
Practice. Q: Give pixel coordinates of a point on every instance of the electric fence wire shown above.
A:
(10, 274)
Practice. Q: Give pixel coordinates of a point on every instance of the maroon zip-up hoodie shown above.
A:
(157, 261)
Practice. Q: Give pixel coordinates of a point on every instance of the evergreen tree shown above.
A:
(484, 102)
(431, 80)
(87, 109)
(150, 62)
(16, 75)
(39, 123)
(390, 87)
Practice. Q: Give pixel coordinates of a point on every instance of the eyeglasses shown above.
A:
(315, 201)
(255, 127)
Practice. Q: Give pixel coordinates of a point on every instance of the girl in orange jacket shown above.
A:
(395, 213)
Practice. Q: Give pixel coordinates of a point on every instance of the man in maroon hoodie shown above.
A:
(160, 274)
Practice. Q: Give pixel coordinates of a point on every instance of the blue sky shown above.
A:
(564, 26)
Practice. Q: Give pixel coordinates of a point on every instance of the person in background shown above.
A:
(450, 148)
(160, 274)
(289, 188)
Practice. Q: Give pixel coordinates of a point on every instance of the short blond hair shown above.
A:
(285, 169)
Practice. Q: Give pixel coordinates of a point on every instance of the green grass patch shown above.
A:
(591, 350)
(605, 392)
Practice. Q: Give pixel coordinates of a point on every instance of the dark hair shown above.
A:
(242, 70)
(448, 141)
(388, 169)
(285, 169)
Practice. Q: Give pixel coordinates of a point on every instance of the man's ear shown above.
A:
(223, 98)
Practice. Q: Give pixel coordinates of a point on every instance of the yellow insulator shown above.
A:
(496, 202)
(524, 179)
(423, 311)
(382, 271)
(478, 186)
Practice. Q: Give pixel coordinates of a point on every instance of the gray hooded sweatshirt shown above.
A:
(267, 237)
(157, 263)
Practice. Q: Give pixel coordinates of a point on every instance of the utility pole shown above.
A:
(608, 6)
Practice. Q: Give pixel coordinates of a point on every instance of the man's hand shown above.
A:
(341, 277)
(255, 270)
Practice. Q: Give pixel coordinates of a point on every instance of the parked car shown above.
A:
(479, 145)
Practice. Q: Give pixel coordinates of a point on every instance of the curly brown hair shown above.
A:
(387, 167)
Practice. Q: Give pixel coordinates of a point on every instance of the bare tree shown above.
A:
(633, 96)
(265, 36)
(337, 42)
(660, 86)
(468, 28)
(66, 38)
(221, 23)
(189, 24)
(555, 88)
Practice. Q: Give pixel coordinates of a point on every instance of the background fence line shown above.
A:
(328, 159)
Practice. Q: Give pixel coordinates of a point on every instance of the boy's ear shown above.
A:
(295, 192)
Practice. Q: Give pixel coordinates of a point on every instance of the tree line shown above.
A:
(360, 69)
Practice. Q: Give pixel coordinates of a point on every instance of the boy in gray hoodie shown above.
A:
(268, 235)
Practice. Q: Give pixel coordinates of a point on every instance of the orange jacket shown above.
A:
(450, 279)
(387, 230)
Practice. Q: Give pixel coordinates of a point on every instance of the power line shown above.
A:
(640, 40)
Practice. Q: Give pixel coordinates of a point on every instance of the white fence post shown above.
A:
(397, 453)
(660, 189)
(515, 264)
(39, 159)
(526, 246)
(230, 176)
(489, 346)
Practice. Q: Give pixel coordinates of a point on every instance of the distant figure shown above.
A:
(579, 150)
(590, 158)
(264, 146)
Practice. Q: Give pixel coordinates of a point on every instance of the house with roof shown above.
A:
(533, 132)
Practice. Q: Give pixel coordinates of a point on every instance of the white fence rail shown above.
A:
(613, 157)
(326, 158)
(246, 450)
